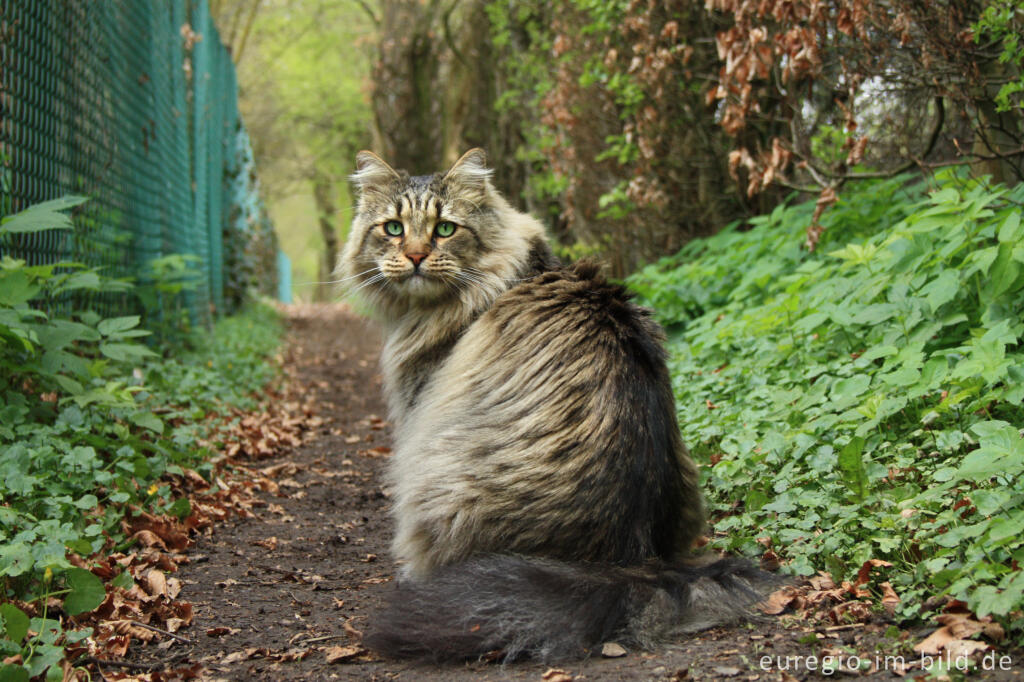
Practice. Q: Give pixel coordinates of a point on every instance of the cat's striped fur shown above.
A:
(537, 456)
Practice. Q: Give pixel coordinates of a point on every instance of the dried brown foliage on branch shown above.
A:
(644, 123)
(643, 159)
(876, 77)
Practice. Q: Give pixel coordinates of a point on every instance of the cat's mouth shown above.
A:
(420, 283)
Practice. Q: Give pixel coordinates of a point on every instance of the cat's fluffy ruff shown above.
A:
(536, 445)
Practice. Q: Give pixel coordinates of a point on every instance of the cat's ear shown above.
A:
(470, 172)
(372, 171)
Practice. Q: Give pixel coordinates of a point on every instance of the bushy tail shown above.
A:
(508, 607)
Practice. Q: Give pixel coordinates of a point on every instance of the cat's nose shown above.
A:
(416, 258)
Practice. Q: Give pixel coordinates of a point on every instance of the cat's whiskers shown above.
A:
(343, 279)
(379, 277)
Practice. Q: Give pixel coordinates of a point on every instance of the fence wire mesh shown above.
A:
(133, 104)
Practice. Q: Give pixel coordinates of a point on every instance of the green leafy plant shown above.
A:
(164, 284)
(90, 420)
(863, 401)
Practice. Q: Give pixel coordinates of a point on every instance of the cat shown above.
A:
(543, 499)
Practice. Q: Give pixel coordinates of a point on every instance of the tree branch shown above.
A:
(369, 12)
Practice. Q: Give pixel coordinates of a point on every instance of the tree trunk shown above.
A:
(326, 209)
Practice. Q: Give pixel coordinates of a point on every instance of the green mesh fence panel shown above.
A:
(133, 104)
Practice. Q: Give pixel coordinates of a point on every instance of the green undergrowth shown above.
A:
(863, 401)
(91, 418)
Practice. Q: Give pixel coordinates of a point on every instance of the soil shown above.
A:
(278, 596)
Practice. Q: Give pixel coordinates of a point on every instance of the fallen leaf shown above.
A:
(221, 630)
(612, 650)
(269, 543)
(865, 570)
(890, 600)
(557, 675)
(779, 600)
(337, 654)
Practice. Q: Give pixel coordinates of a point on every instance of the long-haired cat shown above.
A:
(544, 501)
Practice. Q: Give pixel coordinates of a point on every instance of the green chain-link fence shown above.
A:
(135, 105)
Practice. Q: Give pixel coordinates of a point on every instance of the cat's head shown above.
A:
(422, 240)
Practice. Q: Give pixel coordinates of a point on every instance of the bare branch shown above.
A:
(369, 12)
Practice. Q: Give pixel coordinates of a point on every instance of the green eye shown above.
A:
(445, 229)
(393, 228)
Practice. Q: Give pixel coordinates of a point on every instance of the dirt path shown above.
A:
(277, 596)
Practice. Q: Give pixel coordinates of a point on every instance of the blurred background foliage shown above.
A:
(631, 126)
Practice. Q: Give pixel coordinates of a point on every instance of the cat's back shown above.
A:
(549, 430)
(564, 316)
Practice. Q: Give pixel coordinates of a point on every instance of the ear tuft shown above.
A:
(470, 170)
(372, 170)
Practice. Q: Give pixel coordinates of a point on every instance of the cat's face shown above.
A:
(418, 239)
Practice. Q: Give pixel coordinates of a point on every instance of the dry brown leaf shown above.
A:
(865, 570)
(285, 469)
(557, 675)
(155, 583)
(779, 600)
(221, 630)
(351, 631)
(269, 543)
(338, 654)
(890, 600)
(613, 650)
(856, 611)
(236, 656)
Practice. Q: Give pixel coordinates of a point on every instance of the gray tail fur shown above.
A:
(509, 607)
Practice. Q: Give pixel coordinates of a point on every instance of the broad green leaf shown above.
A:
(942, 289)
(1011, 231)
(15, 559)
(70, 385)
(148, 420)
(58, 334)
(851, 466)
(986, 600)
(45, 656)
(16, 287)
(125, 352)
(10, 672)
(15, 622)
(849, 389)
(180, 508)
(87, 591)
(40, 217)
(117, 324)
(1004, 275)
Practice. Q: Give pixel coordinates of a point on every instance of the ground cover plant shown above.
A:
(863, 401)
(95, 428)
